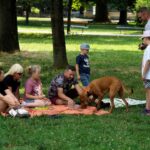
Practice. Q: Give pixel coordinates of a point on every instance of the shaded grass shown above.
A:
(117, 56)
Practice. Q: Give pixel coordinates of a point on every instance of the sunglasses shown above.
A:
(20, 74)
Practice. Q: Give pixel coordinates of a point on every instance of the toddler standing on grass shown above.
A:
(146, 69)
(82, 65)
(83, 68)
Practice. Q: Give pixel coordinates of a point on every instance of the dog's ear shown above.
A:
(89, 93)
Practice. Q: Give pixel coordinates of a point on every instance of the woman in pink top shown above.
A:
(33, 96)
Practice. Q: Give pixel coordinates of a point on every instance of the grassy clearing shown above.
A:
(44, 25)
(116, 56)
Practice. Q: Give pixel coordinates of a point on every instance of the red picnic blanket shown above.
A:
(62, 109)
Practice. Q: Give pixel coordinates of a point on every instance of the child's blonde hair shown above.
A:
(33, 68)
(16, 68)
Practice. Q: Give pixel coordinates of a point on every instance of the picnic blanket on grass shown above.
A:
(90, 110)
(62, 109)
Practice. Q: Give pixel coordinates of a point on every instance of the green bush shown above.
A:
(142, 3)
(35, 10)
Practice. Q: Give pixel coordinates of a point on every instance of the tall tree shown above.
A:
(101, 11)
(69, 16)
(59, 47)
(26, 4)
(8, 26)
(123, 15)
(123, 6)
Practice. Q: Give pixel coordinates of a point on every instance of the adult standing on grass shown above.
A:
(144, 15)
(64, 88)
(146, 69)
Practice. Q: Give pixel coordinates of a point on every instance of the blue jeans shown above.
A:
(85, 79)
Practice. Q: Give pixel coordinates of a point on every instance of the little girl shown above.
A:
(33, 96)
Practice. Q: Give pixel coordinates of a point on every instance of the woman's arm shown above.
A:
(17, 93)
(8, 92)
(10, 99)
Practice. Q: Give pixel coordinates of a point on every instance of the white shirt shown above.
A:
(146, 57)
(147, 26)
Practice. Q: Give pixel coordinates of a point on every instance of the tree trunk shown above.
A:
(59, 47)
(8, 26)
(27, 14)
(123, 17)
(69, 16)
(101, 11)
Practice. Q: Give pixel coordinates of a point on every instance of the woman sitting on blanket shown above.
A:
(12, 79)
(7, 99)
(33, 96)
(9, 91)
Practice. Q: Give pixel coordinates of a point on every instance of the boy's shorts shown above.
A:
(85, 79)
(146, 84)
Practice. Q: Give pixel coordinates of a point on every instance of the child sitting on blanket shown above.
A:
(33, 96)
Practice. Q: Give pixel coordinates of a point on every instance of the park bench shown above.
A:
(129, 28)
(78, 24)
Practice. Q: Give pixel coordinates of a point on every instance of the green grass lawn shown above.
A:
(117, 56)
(44, 25)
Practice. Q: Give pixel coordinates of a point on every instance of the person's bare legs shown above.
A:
(7, 101)
(148, 99)
(61, 102)
(3, 106)
(37, 103)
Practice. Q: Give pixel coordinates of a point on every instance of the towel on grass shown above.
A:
(119, 103)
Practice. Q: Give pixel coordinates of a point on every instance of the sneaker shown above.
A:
(146, 112)
(12, 112)
(22, 113)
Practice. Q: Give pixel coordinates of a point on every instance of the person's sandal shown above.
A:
(146, 112)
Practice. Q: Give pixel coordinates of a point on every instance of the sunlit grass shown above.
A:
(115, 56)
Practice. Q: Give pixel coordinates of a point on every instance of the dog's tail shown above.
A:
(127, 90)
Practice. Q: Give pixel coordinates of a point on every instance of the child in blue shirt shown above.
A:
(83, 65)
(83, 68)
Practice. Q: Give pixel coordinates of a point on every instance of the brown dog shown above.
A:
(99, 87)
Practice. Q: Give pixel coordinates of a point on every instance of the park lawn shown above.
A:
(117, 56)
(44, 25)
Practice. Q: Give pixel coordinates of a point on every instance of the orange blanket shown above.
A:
(62, 109)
